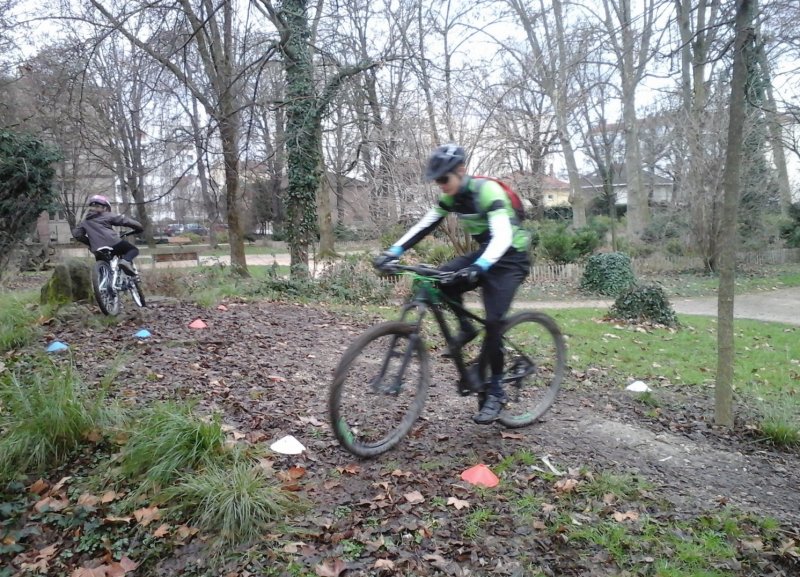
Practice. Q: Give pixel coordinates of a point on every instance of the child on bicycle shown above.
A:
(498, 266)
(96, 231)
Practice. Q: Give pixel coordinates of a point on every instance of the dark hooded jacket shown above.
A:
(96, 229)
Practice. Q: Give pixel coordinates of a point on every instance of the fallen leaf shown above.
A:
(291, 474)
(330, 568)
(39, 566)
(88, 500)
(627, 516)
(147, 515)
(60, 485)
(507, 435)
(457, 503)
(539, 525)
(51, 504)
(255, 436)
(124, 566)
(109, 496)
(276, 379)
(293, 547)
(311, 421)
(184, 531)
(39, 487)
(566, 485)
(753, 545)
(113, 519)
(100, 571)
(93, 436)
(162, 531)
(609, 498)
(399, 473)
(351, 469)
(383, 564)
(414, 497)
(266, 467)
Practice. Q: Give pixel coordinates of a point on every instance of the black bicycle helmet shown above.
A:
(444, 159)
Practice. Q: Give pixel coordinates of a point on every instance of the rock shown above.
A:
(71, 282)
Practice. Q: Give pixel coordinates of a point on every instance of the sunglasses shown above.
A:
(442, 179)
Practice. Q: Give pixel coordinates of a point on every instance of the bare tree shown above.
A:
(630, 38)
(213, 31)
(546, 34)
(723, 414)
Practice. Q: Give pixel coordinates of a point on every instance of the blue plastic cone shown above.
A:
(143, 334)
(56, 346)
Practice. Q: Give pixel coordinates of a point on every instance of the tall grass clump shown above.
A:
(17, 322)
(779, 427)
(45, 414)
(166, 442)
(236, 501)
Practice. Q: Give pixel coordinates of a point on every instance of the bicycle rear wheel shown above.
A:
(104, 293)
(379, 388)
(534, 363)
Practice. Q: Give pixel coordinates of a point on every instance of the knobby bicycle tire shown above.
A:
(136, 292)
(378, 356)
(553, 373)
(106, 297)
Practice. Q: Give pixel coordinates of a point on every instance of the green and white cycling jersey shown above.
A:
(485, 212)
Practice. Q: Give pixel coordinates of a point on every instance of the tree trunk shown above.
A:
(723, 407)
(229, 137)
(327, 240)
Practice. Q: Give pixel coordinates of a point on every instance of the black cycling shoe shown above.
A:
(491, 409)
(462, 338)
(127, 266)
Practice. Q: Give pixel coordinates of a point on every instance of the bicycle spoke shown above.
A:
(378, 390)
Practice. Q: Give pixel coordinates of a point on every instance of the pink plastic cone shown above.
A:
(222, 308)
(480, 475)
(198, 324)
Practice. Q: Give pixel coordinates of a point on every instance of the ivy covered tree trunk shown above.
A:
(302, 137)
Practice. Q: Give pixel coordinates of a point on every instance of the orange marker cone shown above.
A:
(198, 324)
(480, 475)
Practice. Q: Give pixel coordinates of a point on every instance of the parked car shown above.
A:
(195, 228)
(173, 229)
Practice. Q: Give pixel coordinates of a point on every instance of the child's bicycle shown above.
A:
(109, 282)
(381, 383)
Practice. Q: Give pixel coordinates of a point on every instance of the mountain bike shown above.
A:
(109, 281)
(382, 380)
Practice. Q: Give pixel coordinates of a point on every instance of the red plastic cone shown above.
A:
(480, 475)
(198, 324)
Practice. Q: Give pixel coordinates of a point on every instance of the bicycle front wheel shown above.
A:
(104, 293)
(379, 388)
(135, 289)
(534, 363)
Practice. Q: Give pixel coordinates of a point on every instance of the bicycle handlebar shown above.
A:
(426, 271)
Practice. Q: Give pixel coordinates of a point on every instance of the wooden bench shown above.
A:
(175, 256)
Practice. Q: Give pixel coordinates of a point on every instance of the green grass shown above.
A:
(168, 440)
(18, 317)
(767, 354)
(235, 501)
(621, 486)
(780, 427)
(45, 414)
(477, 521)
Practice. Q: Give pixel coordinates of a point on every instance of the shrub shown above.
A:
(353, 280)
(790, 229)
(644, 303)
(168, 440)
(435, 252)
(45, 414)
(560, 245)
(608, 274)
(391, 235)
(192, 237)
(236, 501)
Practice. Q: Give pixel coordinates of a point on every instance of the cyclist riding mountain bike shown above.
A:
(96, 231)
(498, 266)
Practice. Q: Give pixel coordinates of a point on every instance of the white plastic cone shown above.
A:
(288, 445)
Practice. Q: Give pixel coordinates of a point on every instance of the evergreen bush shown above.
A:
(608, 274)
(644, 303)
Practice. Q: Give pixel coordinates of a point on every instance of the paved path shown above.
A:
(781, 305)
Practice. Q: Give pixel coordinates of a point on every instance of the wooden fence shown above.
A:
(544, 273)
